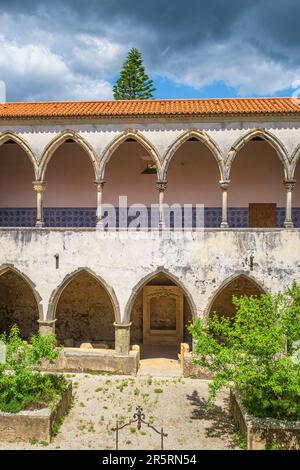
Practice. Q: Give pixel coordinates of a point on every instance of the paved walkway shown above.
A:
(159, 361)
(177, 404)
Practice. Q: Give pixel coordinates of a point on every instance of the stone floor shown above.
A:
(177, 404)
(159, 361)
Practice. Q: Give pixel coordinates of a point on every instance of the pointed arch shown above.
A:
(226, 283)
(6, 136)
(148, 278)
(56, 294)
(57, 142)
(119, 140)
(268, 137)
(294, 161)
(202, 137)
(9, 267)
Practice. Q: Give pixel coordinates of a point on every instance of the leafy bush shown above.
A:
(257, 353)
(22, 386)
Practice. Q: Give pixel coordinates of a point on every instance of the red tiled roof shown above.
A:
(136, 108)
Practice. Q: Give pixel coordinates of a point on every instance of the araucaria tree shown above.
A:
(133, 83)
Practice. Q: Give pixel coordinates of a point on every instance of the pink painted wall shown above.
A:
(16, 177)
(193, 177)
(123, 176)
(256, 176)
(70, 178)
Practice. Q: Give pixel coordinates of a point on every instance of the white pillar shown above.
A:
(161, 186)
(99, 211)
(289, 186)
(39, 187)
(224, 186)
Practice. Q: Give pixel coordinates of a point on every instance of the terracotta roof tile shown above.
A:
(136, 108)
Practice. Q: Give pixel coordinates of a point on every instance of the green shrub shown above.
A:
(22, 385)
(257, 353)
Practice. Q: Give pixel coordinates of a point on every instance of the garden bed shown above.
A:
(264, 433)
(35, 425)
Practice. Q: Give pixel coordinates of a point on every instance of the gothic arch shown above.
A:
(55, 296)
(120, 139)
(6, 136)
(148, 278)
(202, 137)
(267, 136)
(7, 267)
(57, 142)
(227, 282)
(294, 161)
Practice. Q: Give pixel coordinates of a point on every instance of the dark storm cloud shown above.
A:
(182, 40)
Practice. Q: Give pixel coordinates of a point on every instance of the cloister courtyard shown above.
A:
(176, 403)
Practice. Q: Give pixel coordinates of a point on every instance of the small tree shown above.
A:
(134, 83)
(257, 353)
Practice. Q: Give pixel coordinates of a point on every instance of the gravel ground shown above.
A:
(177, 404)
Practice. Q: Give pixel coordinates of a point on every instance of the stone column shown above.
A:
(224, 186)
(39, 187)
(46, 327)
(161, 186)
(99, 213)
(289, 186)
(122, 338)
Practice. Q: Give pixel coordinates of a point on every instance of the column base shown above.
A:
(39, 224)
(100, 225)
(224, 225)
(122, 338)
(288, 224)
(46, 327)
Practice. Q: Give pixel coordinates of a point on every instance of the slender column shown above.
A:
(161, 186)
(122, 338)
(289, 186)
(46, 327)
(39, 187)
(224, 186)
(99, 213)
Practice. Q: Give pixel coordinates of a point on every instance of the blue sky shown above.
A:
(74, 49)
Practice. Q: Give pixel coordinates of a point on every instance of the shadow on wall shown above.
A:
(17, 305)
(239, 286)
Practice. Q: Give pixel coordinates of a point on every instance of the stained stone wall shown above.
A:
(17, 305)
(238, 287)
(84, 312)
(136, 330)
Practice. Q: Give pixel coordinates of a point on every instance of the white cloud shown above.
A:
(43, 75)
(240, 67)
(56, 54)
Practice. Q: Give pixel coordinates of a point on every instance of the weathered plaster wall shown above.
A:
(17, 305)
(200, 262)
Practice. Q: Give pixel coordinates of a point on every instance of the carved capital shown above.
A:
(161, 185)
(39, 186)
(289, 184)
(100, 185)
(224, 184)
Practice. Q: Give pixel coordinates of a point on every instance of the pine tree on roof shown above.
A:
(133, 83)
